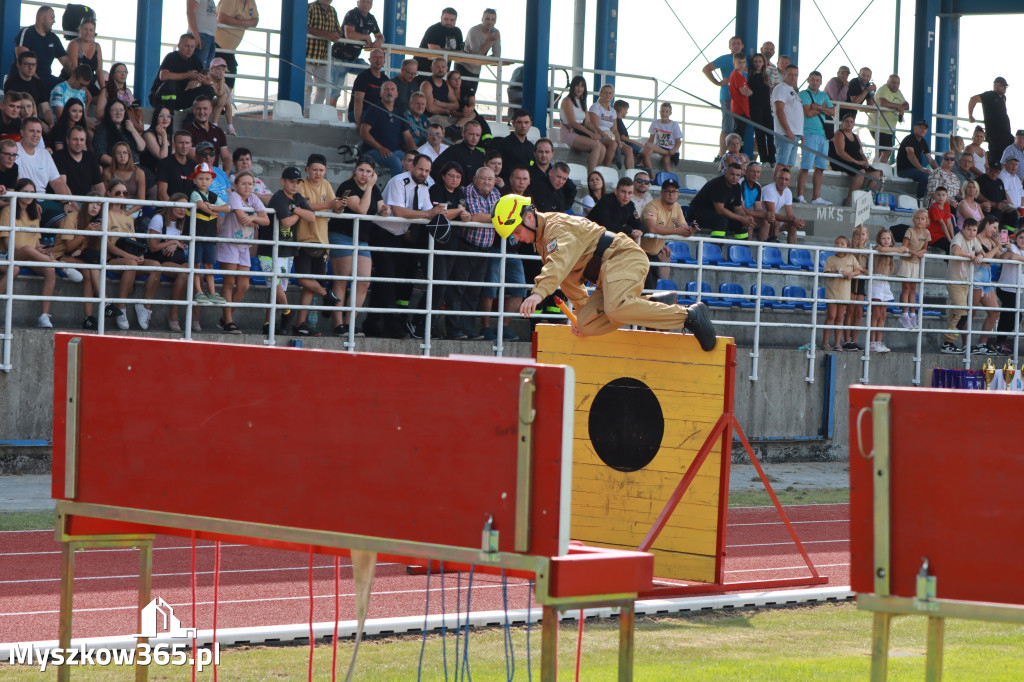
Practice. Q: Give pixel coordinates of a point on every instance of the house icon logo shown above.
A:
(158, 611)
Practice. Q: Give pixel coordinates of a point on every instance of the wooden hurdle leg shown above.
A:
(880, 647)
(549, 644)
(145, 594)
(626, 618)
(933, 664)
(67, 591)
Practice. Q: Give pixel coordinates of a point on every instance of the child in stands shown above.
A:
(881, 294)
(858, 290)
(965, 245)
(739, 92)
(289, 207)
(838, 289)
(234, 256)
(209, 208)
(916, 240)
(940, 220)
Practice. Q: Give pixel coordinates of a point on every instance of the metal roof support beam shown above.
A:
(606, 32)
(789, 30)
(148, 27)
(535, 61)
(396, 13)
(923, 94)
(291, 70)
(10, 15)
(949, 59)
(746, 24)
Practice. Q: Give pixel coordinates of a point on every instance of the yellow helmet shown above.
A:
(508, 213)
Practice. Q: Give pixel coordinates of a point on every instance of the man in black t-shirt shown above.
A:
(466, 153)
(172, 172)
(177, 70)
(908, 158)
(444, 35)
(10, 116)
(366, 89)
(860, 91)
(79, 165)
(617, 212)
(358, 24)
(24, 79)
(515, 148)
(8, 167)
(997, 122)
(289, 206)
(718, 206)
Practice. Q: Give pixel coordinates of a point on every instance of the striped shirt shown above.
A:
(477, 203)
(323, 19)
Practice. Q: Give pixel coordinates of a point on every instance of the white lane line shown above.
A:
(780, 523)
(304, 597)
(784, 568)
(166, 575)
(127, 549)
(798, 506)
(790, 543)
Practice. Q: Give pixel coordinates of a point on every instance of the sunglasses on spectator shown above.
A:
(641, 182)
(948, 158)
(119, 194)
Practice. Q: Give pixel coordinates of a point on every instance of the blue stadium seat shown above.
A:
(663, 176)
(708, 296)
(822, 257)
(712, 254)
(769, 290)
(821, 298)
(689, 299)
(681, 253)
(797, 292)
(728, 291)
(256, 266)
(771, 257)
(740, 256)
(800, 259)
(667, 285)
(925, 312)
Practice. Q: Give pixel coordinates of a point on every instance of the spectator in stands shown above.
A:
(434, 145)
(518, 182)
(1016, 151)
(997, 122)
(1012, 184)
(408, 158)
(1006, 292)
(28, 108)
(444, 35)
(242, 160)
(464, 97)
(837, 89)
(969, 206)
(210, 207)
(621, 108)
(115, 87)
(358, 24)
(493, 160)
(35, 163)
(772, 71)
(601, 117)
(816, 105)
(466, 153)
(642, 190)
(480, 40)
(449, 193)
(241, 226)
(575, 130)
(838, 290)
(203, 129)
(78, 165)
(718, 206)
(74, 248)
(124, 169)
(617, 212)
(595, 190)
(123, 250)
(965, 245)
(25, 79)
(40, 39)
(8, 167)
(985, 296)
(408, 196)
(847, 149)
(544, 176)
(28, 244)
(239, 15)
(165, 250)
(222, 102)
(994, 197)
(415, 115)
(10, 119)
(441, 106)
(158, 139)
(724, 65)
(761, 108)
(789, 118)
(384, 133)
(940, 221)
(408, 85)
(739, 94)
(976, 153)
(964, 170)
(366, 89)
(205, 153)
(202, 23)
(943, 176)
(73, 115)
(913, 151)
(733, 153)
(72, 88)
(752, 204)
(665, 139)
(177, 71)
(85, 51)
(322, 23)
(172, 176)
(861, 90)
(481, 198)
(114, 127)
(663, 216)
(311, 260)
(891, 102)
(515, 149)
(360, 196)
(289, 207)
(778, 203)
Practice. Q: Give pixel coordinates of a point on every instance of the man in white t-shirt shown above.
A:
(434, 145)
(1011, 183)
(789, 118)
(778, 202)
(35, 163)
(665, 139)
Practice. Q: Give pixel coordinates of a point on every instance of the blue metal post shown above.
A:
(535, 62)
(10, 15)
(746, 24)
(396, 14)
(148, 28)
(291, 70)
(605, 36)
(949, 57)
(923, 92)
(789, 30)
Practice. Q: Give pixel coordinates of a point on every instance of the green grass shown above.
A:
(759, 498)
(828, 642)
(30, 520)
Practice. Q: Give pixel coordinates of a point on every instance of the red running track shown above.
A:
(264, 587)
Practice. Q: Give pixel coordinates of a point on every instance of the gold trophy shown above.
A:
(989, 372)
(1008, 373)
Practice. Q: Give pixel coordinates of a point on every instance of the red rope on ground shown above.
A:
(216, 596)
(312, 642)
(193, 606)
(334, 640)
(579, 646)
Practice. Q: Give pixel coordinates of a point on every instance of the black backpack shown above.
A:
(74, 15)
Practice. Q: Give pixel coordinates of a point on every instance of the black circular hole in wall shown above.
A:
(626, 424)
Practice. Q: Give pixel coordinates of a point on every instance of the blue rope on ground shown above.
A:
(510, 654)
(465, 646)
(458, 622)
(529, 661)
(426, 613)
(444, 626)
